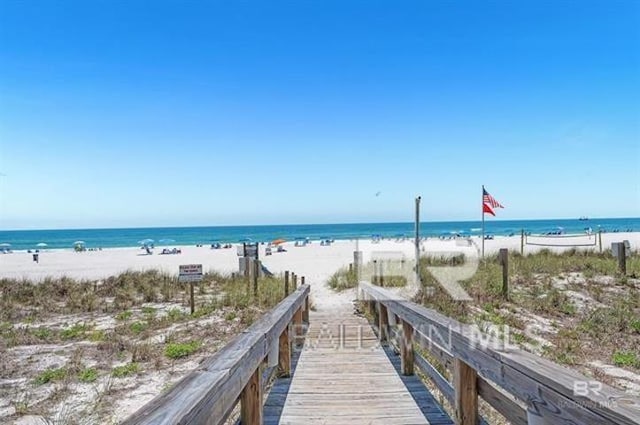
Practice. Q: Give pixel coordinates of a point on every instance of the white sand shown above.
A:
(315, 262)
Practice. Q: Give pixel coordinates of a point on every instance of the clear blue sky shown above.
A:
(129, 113)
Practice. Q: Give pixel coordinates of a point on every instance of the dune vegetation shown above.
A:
(71, 348)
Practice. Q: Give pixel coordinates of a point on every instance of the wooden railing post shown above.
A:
(305, 312)
(383, 324)
(297, 326)
(465, 384)
(286, 283)
(406, 349)
(251, 400)
(294, 278)
(284, 354)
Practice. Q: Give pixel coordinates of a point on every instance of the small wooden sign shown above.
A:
(190, 273)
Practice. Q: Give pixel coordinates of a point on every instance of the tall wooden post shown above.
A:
(466, 393)
(284, 354)
(302, 280)
(256, 272)
(406, 349)
(251, 400)
(295, 281)
(503, 257)
(375, 272)
(192, 301)
(600, 239)
(381, 274)
(522, 242)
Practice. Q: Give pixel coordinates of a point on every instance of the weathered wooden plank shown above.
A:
(284, 353)
(547, 388)
(439, 381)
(383, 324)
(251, 400)
(466, 393)
(406, 348)
(505, 405)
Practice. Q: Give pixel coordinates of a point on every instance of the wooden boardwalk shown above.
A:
(344, 376)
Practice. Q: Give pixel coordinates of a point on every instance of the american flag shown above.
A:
(490, 200)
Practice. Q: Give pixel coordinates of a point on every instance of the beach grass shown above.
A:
(347, 277)
(593, 310)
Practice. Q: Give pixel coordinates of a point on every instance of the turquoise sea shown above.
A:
(109, 238)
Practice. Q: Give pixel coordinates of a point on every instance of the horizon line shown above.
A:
(308, 224)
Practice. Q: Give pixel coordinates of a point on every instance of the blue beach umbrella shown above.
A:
(146, 242)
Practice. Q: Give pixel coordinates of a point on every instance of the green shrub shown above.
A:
(125, 370)
(50, 375)
(88, 375)
(179, 350)
(138, 327)
(626, 358)
(74, 332)
(124, 315)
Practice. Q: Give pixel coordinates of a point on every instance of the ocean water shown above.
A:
(110, 238)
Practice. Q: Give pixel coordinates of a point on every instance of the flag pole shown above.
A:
(482, 221)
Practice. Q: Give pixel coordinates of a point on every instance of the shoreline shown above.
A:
(312, 260)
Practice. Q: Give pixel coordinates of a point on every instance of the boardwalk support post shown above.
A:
(286, 283)
(305, 311)
(284, 354)
(297, 325)
(522, 242)
(465, 384)
(251, 400)
(406, 349)
(383, 324)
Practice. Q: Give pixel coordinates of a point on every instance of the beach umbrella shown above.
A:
(5, 245)
(41, 245)
(146, 242)
(79, 243)
(246, 240)
(278, 241)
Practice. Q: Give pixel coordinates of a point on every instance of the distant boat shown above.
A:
(584, 218)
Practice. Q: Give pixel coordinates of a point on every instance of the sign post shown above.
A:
(190, 273)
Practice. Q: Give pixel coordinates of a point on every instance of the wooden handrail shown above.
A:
(546, 389)
(209, 394)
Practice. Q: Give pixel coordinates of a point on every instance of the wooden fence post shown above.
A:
(284, 353)
(374, 278)
(256, 272)
(600, 239)
(381, 274)
(251, 400)
(302, 280)
(383, 324)
(466, 393)
(295, 281)
(192, 301)
(522, 242)
(286, 283)
(503, 256)
(406, 349)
